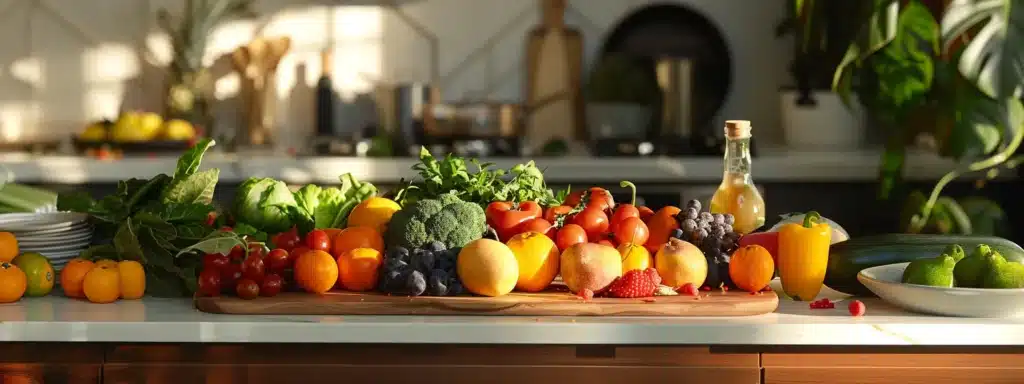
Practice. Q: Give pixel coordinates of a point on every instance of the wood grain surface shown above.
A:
(553, 303)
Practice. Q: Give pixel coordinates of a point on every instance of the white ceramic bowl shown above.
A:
(884, 281)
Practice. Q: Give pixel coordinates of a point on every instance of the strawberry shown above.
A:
(635, 283)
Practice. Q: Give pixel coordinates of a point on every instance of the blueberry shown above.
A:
(718, 231)
(423, 260)
(695, 204)
(677, 233)
(435, 246)
(436, 286)
(691, 213)
(391, 264)
(446, 264)
(416, 283)
(729, 218)
(455, 288)
(394, 281)
(706, 217)
(728, 229)
(688, 225)
(718, 218)
(398, 253)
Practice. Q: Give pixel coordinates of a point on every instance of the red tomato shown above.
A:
(569, 235)
(258, 249)
(253, 268)
(271, 285)
(552, 214)
(215, 261)
(593, 220)
(237, 253)
(632, 230)
(230, 275)
(247, 289)
(622, 212)
(505, 217)
(318, 240)
(538, 225)
(596, 197)
(286, 240)
(645, 213)
(277, 260)
(295, 253)
(209, 282)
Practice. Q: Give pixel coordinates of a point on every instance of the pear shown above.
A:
(970, 270)
(935, 272)
(1001, 274)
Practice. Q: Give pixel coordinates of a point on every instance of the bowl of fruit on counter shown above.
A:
(136, 132)
(984, 281)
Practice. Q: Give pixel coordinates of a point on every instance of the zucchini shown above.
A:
(848, 258)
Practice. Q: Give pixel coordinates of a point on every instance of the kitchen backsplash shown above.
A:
(70, 61)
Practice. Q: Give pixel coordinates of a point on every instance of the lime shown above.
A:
(39, 272)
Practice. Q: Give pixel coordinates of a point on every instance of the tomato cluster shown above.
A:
(257, 270)
(586, 216)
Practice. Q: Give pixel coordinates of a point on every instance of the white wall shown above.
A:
(78, 63)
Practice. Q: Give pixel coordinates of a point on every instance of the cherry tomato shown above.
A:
(230, 275)
(277, 260)
(552, 214)
(215, 261)
(538, 225)
(593, 220)
(569, 235)
(295, 253)
(253, 268)
(247, 289)
(506, 218)
(645, 213)
(226, 229)
(318, 240)
(596, 197)
(237, 253)
(631, 230)
(258, 249)
(209, 282)
(211, 218)
(607, 242)
(286, 240)
(271, 285)
(622, 212)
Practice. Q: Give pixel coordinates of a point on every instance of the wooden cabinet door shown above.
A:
(41, 363)
(896, 366)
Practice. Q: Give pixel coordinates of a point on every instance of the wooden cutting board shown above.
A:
(555, 303)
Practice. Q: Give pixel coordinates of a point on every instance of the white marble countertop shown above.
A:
(57, 319)
(771, 166)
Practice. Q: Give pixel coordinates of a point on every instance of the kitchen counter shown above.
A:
(771, 166)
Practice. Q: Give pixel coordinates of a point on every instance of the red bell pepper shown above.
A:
(768, 240)
(507, 217)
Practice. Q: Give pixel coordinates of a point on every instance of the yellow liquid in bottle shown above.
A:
(743, 201)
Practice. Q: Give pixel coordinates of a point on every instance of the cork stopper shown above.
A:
(327, 61)
(737, 129)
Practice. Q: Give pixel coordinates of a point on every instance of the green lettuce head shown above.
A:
(266, 204)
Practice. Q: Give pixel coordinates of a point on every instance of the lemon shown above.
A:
(374, 212)
(178, 129)
(95, 132)
(134, 127)
(38, 272)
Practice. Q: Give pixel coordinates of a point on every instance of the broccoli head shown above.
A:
(447, 219)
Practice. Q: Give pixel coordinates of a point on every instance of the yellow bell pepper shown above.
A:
(803, 256)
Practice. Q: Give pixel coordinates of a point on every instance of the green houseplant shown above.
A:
(957, 80)
(189, 81)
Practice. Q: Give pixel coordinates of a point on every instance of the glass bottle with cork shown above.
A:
(737, 194)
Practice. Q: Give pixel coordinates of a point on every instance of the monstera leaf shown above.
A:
(994, 58)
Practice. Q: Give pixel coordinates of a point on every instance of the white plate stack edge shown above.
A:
(60, 236)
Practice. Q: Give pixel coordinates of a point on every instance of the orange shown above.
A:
(316, 271)
(102, 284)
(13, 283)
(72, 276)
(358, 269)
(106, 262)
(374, 212)
(357, 237)
(751, 268)
(537, 256)
(133, 279)
(8, 247)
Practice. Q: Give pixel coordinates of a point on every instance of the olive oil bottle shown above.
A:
(737, 195)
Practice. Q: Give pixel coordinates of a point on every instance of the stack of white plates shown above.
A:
(60, 236)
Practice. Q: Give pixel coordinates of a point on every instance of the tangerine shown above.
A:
(359, 268)
(13, 283)
(72, 276)
(102, 284)
(357, 237)
(316, 271)
(751, 268)
(8, 247)
(133, 279)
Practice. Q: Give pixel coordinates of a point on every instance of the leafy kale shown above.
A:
(153, 221)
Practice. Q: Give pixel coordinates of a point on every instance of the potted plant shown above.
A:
(813, 116)
(189, 84)
(919, 77)
(618, 104)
